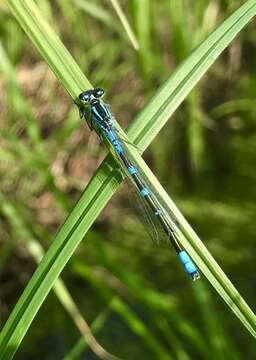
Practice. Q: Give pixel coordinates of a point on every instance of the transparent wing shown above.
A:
(125, 141)
(150, 203)
(144, 212)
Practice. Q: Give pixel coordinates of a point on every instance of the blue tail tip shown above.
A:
(195, 276)
(188, 265)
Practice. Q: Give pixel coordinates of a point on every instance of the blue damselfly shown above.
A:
(99, 118)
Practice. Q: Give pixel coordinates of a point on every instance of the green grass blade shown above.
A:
(49, 46)
(106, 180)
(171, 94)
(59, 287)
(142, 20)
(125, 23)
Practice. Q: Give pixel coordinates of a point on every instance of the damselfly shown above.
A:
(99, 118)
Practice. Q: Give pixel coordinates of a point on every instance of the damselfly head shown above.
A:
(89, 95)
(85, 96)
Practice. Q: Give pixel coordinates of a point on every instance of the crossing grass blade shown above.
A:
(49, 46)
(107, 178)
(59, 287)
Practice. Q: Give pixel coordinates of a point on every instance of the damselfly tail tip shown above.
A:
(188, 265)
(195, 276)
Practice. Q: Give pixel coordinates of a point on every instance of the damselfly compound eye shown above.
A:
(98, 92)
(85, 96)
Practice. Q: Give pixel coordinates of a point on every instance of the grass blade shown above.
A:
(171, 94)
(125, 23)
(49, 46)
(59, 287)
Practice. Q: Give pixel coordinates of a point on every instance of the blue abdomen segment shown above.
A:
(132, 169)
(145, 192)
(114, 141)
(188, 265)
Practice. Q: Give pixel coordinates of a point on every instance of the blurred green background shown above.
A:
(132, 292)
